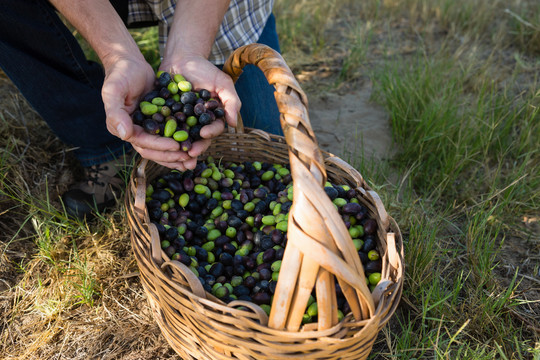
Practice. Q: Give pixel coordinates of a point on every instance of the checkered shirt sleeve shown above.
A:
(242, 24)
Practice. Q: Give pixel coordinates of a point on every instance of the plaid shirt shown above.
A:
(242, 24)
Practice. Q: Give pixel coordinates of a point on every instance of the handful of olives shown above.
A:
(228, 223)
(173, 109)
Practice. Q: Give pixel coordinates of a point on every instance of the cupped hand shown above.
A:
(126, 80)
(202, 74)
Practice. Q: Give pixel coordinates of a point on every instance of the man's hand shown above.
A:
(204, 75)
(125, 82)
(191, 37)
(127, 76)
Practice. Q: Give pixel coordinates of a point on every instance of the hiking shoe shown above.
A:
(100, 189)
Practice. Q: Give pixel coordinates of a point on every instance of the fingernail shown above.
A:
(121, 131)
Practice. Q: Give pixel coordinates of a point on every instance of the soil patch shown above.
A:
(350, 125)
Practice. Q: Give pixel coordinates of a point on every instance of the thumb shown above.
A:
(119, 123)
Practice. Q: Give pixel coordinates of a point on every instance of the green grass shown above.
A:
(459, 80)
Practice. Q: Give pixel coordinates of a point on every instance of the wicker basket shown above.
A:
(199, 326)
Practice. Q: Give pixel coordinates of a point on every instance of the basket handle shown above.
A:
(140, 189)
(314, 223)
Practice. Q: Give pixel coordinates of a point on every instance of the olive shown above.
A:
(373, 266)
(370, 226)
(266, 274)
(245, 298)
(211, 104)
(164, 78)
(219, 112)
(250, 282)
(188, 110)
(229, 271)
(202, 271)
(241, 290)
(277, 236)
(185, 145)
(236, 280)
(199, 109)
(161, 195)
(188, 97)
(211, 204)
(185, 259)
(221, 240)
(342, 193)
(205, 94)
(242, 214)
(229, 248)
(138, 117)
(153, 203)
(221, 292)
(369, 243)
(285, 207)
(351, 208)
(249, 263)
(239, 269)
(176, 186)
(260, 208)
(170, 250)
(202, 254)
(331, 192)
(171, 233)
(188, 235)
(170, 102)
(151, 126)
(210, 279)
(201, 231)
(261, 298)
(221, 225)
(217, 269)
(195, 133)
(179, 242)
(266, 242)
(150, 95)
(180, 116)
(269, 255)
(164, 93)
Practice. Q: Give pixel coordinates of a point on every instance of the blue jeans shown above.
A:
(46, 63)
(259, 109)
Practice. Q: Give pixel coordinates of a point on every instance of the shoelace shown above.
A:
(94, 174)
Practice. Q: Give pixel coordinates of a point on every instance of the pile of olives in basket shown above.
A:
(228, 223)
(173, 109)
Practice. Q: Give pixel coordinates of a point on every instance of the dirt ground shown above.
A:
(350, 125)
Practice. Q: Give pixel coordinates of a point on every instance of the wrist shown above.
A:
(111, 59)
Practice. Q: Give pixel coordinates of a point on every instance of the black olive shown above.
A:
(261, 298)
(369, 244)
(217, 269)
(151, 126)
(234, 222)
(373, 266)
(171, 233)
(331, 192)
(205, 94)
(189, 97)
(164, 78)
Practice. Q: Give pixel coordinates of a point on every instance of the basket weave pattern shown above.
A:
(319, 248)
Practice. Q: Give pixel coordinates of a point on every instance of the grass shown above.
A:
(459, 81)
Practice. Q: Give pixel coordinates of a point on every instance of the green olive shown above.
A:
(170, 128)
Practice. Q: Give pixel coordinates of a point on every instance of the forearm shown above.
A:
(102, 27)
(194, 28)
